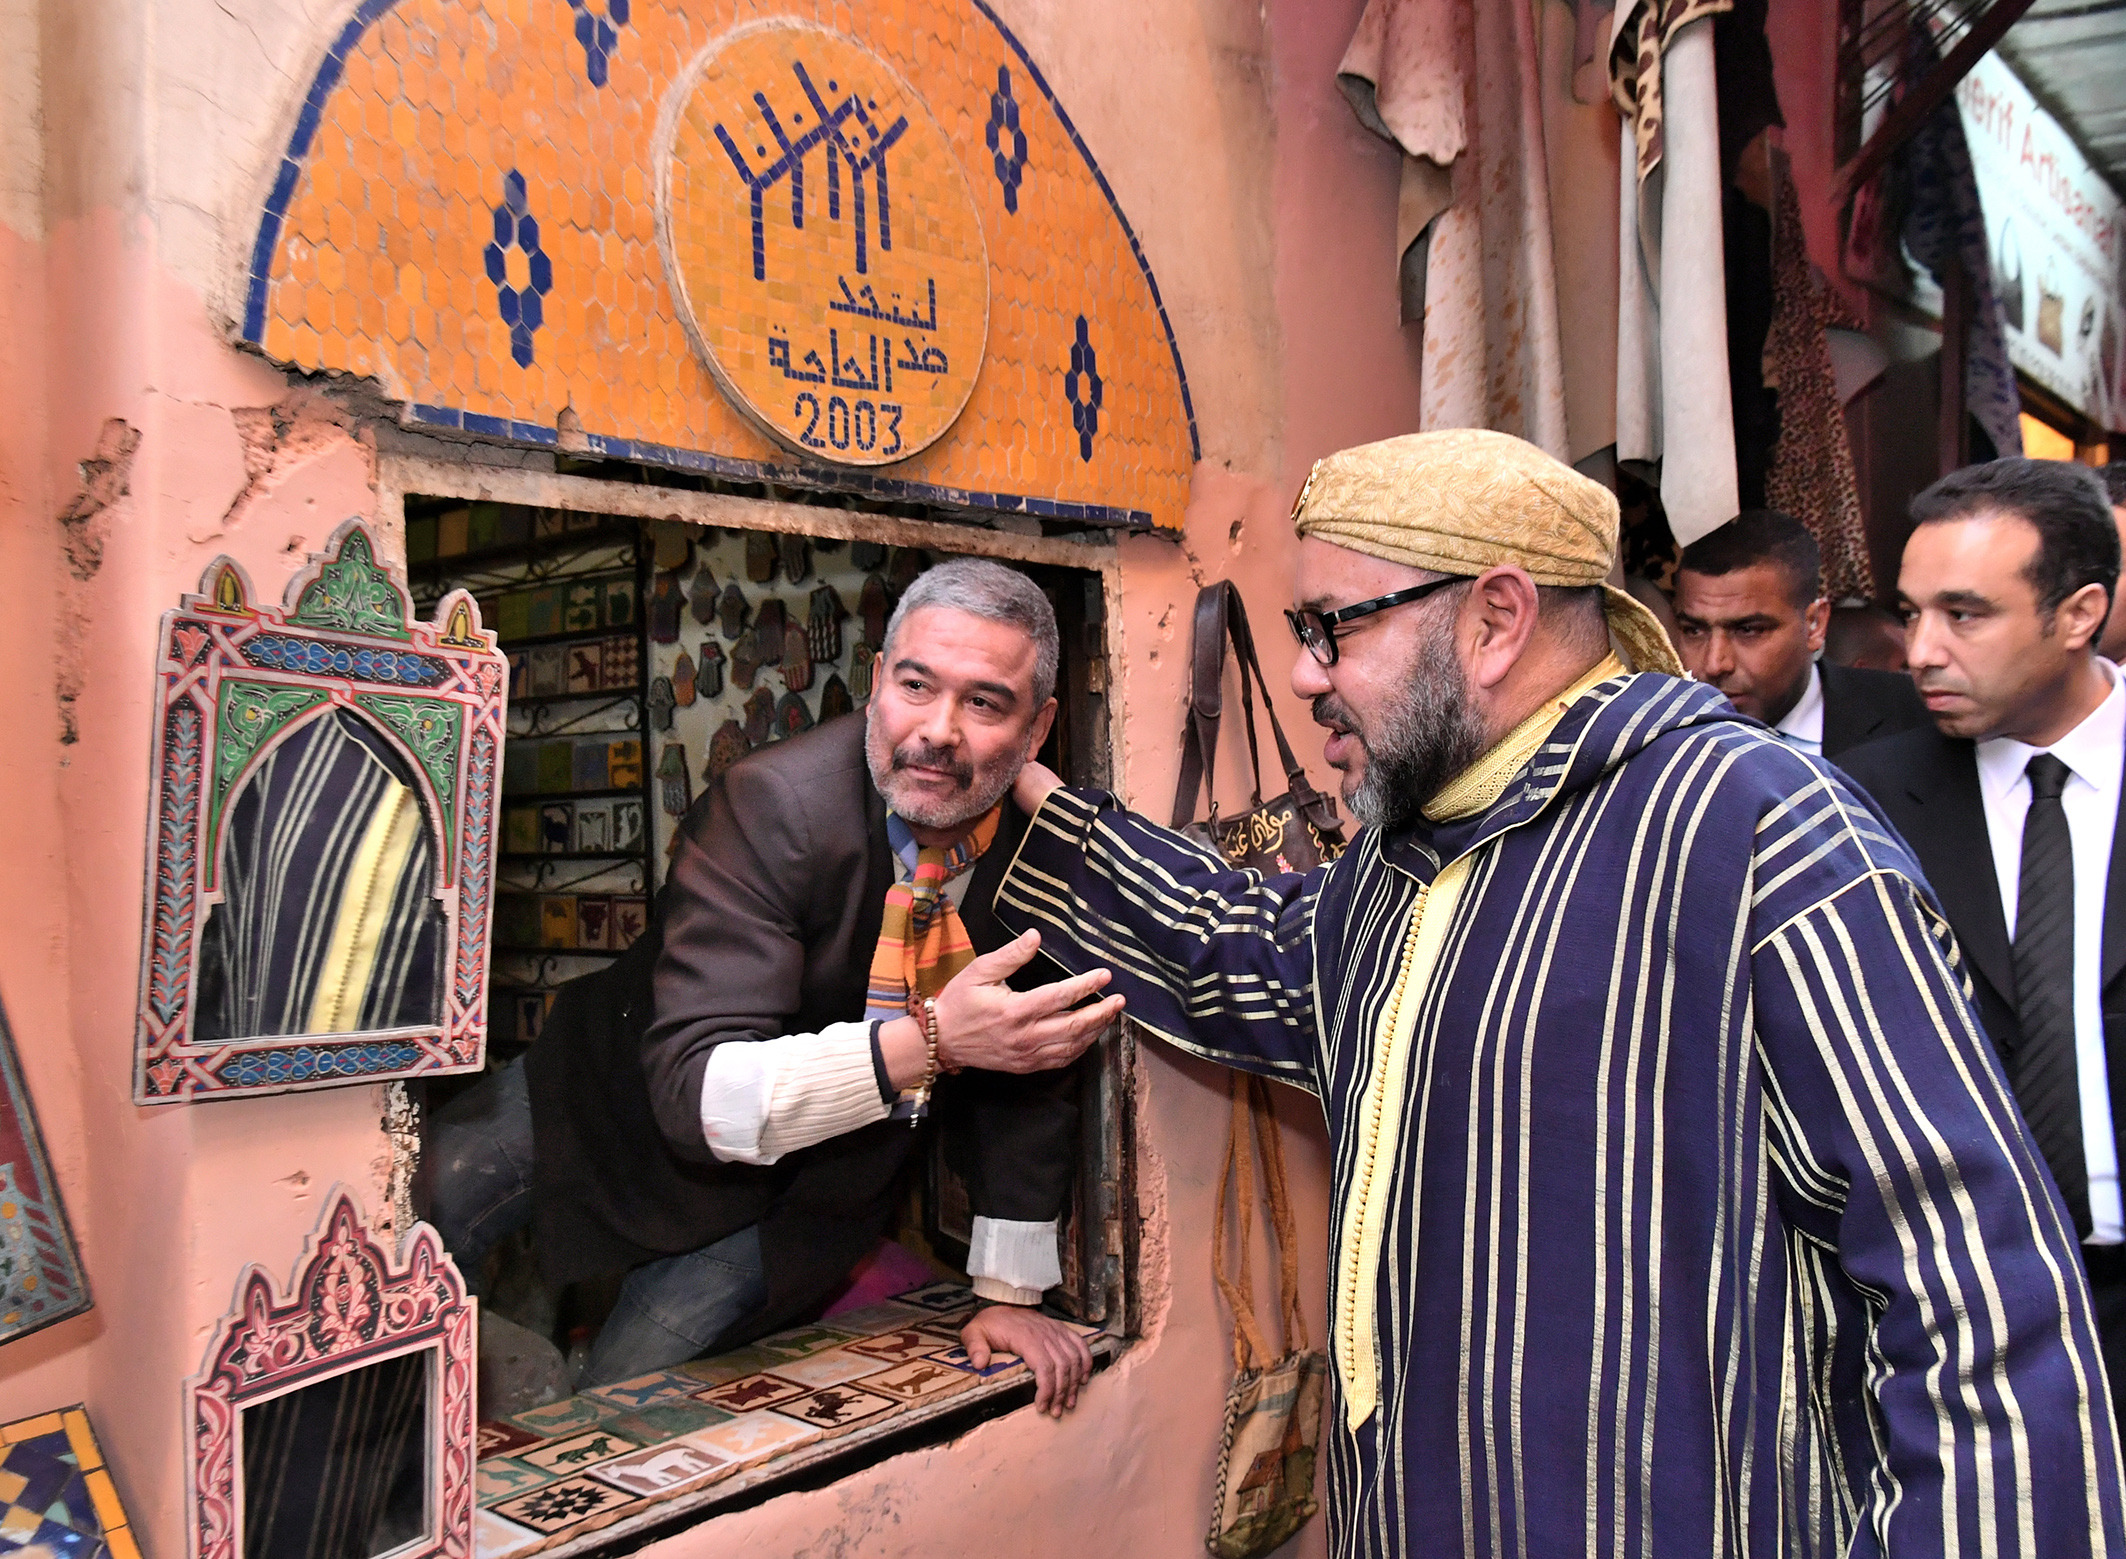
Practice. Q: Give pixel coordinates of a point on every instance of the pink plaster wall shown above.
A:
(1281, 271)
(169, 1204)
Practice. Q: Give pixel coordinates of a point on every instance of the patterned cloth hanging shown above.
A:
(1674, 400)
(1811, 475)
(1455, 87)
(1932, 184)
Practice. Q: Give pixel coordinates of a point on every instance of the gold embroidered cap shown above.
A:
(1461, 500)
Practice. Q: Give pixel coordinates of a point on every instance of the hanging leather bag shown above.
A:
(1273, 1411)
(1299, 829)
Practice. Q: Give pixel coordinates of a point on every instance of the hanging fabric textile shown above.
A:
(1934, 191)
(1811, 475)
(1456, 88)
(1674, 404)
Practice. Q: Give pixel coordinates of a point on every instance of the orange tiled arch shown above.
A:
(436, 129)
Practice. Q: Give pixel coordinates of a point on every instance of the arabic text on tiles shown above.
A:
(821, 239)
(730, 241)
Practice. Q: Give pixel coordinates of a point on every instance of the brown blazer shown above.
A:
(765, 927)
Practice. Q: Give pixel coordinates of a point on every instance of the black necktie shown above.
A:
(2043, 1067)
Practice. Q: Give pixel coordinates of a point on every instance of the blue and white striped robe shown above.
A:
(1712, 1228)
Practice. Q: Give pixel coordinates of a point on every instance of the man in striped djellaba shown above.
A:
(1679, 1206)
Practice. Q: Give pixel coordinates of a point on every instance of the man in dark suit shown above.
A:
(2011, 801)
(1751, 619)
(726, 1111)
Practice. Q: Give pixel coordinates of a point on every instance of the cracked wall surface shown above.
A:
(137, 138)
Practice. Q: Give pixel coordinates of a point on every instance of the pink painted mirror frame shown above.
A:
(347, 1306)
(346, 638)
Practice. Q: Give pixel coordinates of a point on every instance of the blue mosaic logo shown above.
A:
(1007, 142)
(1082, 388)
(522, 305)
(599, 35)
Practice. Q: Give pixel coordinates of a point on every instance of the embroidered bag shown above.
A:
(1273, 1410)
(1297, 831)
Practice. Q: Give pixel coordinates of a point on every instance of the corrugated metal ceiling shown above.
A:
(2072, 56)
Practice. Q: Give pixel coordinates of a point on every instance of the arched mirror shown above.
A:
(321, 844)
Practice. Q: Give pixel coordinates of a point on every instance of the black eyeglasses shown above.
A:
(1317, 629)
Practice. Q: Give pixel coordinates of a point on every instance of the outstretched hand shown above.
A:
(1031, 788)
(983, 1022)
(1058, 1357)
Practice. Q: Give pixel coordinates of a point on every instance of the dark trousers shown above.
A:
(2106, 1266)
(669, 1311)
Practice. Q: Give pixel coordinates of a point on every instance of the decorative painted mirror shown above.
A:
(337, 1419)
(321, 835)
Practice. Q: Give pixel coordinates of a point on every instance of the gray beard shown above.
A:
(1425, 738)
(983, 789)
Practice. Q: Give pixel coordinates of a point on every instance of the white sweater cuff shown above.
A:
(1013, 1262)
(761, 1099)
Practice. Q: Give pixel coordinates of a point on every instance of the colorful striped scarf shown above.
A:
(922, 943)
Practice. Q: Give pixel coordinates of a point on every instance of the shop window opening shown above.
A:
(638, 671)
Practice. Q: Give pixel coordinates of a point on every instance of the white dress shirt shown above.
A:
(2095, 753)
(1802, 726)
(765, 1098)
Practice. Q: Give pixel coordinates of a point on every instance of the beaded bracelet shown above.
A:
(921, 1102)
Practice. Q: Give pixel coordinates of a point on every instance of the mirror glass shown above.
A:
(339, 1469)
(328, 921)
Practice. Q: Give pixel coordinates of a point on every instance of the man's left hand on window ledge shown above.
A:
(1058, 1357)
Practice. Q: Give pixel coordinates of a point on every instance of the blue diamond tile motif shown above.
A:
(523, 308)
(599, 35)
(1007, 142)
(1081, 387)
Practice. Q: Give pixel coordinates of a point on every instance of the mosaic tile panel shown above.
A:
(556, 1472)
(469, 211)
(56, 1494)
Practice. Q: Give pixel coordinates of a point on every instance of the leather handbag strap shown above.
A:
(1311, 803)
(1206, 702)
(1251, 1104)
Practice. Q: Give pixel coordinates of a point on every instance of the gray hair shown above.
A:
(997, 594)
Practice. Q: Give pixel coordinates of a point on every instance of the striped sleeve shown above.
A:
(1897, 1140)
(1216, 961)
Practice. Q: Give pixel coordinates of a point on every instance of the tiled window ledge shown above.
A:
(614, 1468)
